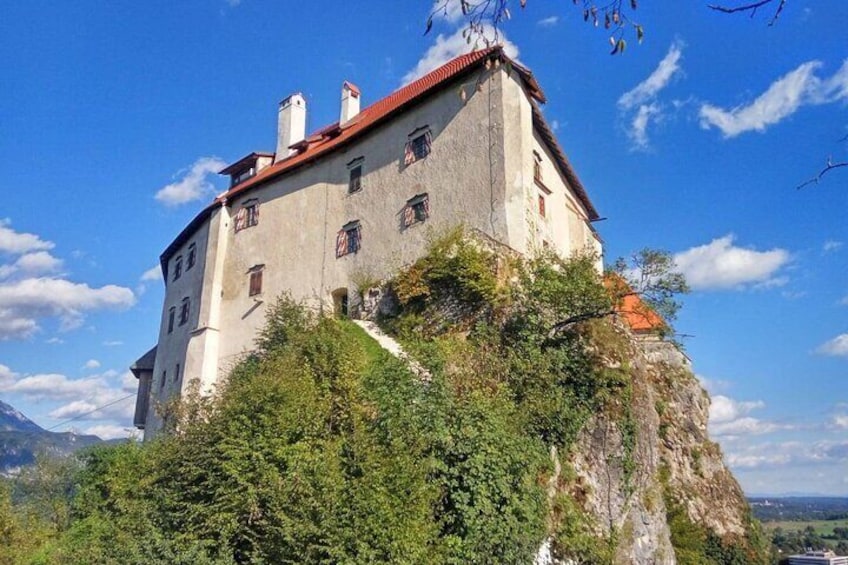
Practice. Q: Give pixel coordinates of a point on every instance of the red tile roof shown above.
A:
(334, 136)
(639, 316)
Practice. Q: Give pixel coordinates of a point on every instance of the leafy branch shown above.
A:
(483, 15)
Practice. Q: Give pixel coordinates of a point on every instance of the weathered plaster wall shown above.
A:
(479, 173)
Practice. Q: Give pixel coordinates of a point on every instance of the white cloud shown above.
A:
(744, 427)
(55, 341)
(17, 242)
(781, 99)
(841, 421)
(658, 80)
(712, 386)
(721, 265)
(35, 263)
(38, 262)
(642, 98)
(112, 343)
(446, 48)
(92, 364)
(770, 454)
(105, 395)
(152, 274)
(730, 418)
(194, 183)
(639, 126)
(838, 346)
(7, 376)
(23, 302)
(724, 409)
(831, 245)
(108, 431)
(550, 21)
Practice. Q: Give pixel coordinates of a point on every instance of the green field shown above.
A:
(822, 527)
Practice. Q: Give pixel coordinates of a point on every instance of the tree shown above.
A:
(646, 286)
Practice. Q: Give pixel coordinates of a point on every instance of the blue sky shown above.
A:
(115, 117)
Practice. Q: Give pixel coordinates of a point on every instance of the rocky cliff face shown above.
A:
(633, 478)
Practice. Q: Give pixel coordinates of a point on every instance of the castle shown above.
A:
(465, 144)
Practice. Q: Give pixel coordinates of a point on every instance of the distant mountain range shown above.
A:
(21, 440)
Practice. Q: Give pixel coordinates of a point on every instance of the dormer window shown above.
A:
(248, 215)
(418, 145)
(355, 180)
(247, 167)
(242, 176)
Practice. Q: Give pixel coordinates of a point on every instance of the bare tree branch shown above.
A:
(829, 167)
(752, 8)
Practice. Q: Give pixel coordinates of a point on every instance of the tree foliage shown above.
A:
(322, 448)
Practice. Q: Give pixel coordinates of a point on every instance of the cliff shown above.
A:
(638, 480)
(662, 490)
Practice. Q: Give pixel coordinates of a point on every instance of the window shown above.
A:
(184, 308)
(164, 378)
(255, 280)
(192, 256)
(177, 374)
(418, 146)
(178, 267)
(172, 312)
(242, 176)
(248, 215)
(355, 181)
(349, 239)
(537, 167)
(417, 210)
(542, 205)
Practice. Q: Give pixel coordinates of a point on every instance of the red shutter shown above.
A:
(241, 219)
(408, 216)
(408, 154)
(341, 243)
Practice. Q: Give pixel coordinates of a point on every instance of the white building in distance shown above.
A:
(465, 144)
(818, 558)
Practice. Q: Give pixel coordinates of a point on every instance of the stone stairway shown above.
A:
(389, 344)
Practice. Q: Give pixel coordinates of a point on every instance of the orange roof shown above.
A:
(638, 315)
(336, 135)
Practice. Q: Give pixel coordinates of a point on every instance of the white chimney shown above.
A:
(291, 125)
(350, 102)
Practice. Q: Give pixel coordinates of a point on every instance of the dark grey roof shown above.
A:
(144, 363)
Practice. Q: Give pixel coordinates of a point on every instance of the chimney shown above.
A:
(350, 102)
(291, 125)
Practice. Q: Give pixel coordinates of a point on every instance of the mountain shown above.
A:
(13, 421)
(21, 440)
